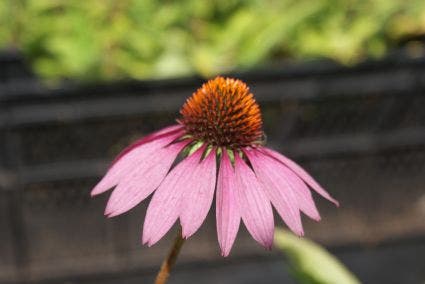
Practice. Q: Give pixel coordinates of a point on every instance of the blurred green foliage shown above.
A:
(107, 39)
(311, 263)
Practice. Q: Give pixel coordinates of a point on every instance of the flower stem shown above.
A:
(168, 263)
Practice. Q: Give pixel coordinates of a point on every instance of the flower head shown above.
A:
(220, 136)
(223, 113)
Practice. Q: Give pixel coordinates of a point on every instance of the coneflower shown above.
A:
(220, 136)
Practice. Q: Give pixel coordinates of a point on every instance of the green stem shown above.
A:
(170, 260)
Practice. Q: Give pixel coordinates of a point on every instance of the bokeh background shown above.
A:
(342, 89)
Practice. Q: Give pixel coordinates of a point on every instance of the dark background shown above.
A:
(360, 131)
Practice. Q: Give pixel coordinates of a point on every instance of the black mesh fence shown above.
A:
(360, 131)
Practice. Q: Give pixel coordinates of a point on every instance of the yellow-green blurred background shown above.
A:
(144, 39)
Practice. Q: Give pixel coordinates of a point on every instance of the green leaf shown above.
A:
(310, 262)
(106, 39)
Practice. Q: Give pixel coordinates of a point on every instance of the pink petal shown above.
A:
(132, 157)
(301, 173)
(255, 207)
(270, 174)
(302, 193)
(294, 184)
(199, 195)
(135, 186)
(150, 137)
(227, 207)
(166, 203)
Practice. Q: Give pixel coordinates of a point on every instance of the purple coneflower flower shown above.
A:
(220, 136)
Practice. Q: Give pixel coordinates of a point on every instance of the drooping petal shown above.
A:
(199, 195)
(255, 207)
(148, 138)
(133, 155)
(135, 186)
(269, 173)
(227, 206)
(302, 193)
(166, 203)
(291, 184)
(301, 173)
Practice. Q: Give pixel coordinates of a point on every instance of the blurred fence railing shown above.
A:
(360, 131)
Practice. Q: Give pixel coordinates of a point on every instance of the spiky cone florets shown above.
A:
(223, 112)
